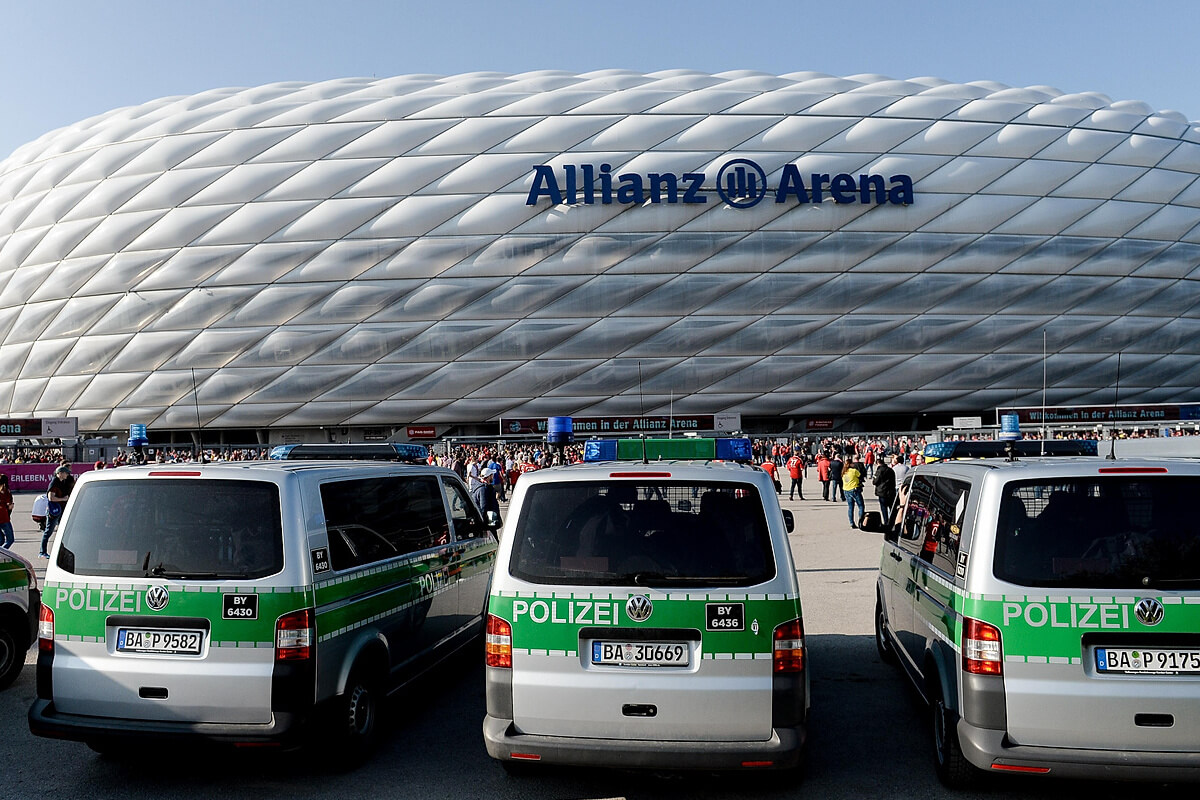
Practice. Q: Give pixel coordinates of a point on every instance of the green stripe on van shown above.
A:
(12, 575)
(551, 620)
(83, 609)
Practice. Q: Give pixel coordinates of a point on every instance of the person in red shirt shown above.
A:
(769, 467)
(795, 468)
(823, 475)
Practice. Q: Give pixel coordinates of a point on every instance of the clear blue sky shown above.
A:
(64, 60)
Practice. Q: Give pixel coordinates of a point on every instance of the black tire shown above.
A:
(12, 655)
(355, 719)
(887, 651)
(953, 769)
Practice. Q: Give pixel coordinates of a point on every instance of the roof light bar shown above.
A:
(1028, 448)
(688, 449)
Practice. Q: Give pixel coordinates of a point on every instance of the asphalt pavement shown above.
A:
(868, 736)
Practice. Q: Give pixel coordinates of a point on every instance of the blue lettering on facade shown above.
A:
(740, 183)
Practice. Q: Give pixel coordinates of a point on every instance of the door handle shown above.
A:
(895, 556)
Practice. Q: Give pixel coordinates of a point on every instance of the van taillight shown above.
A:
(981, 654)
(294, 636)
(788, 655)
(46, 630)
(498, 642)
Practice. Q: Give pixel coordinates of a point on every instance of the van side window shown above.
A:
(916, 514)
(373, 519)
(947, 510)
(468, 524)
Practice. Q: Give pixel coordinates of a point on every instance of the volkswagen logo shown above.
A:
(638, 608)
(1149, 611)
(157, 598)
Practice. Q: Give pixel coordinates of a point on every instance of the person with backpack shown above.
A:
(885, 490)
(57, 493)
(484, 495)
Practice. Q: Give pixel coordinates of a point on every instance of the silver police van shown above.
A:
(19, 602)
(646, 613)
(1048, 609)
(253, 603)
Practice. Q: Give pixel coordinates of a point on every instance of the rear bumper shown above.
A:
(285, 729)
(35, 613)
(782, 750)
(989, 750)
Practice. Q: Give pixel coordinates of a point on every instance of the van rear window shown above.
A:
(210, 529)
(627, 533)
(1118, 532)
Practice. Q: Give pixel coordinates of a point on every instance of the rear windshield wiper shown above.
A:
(1149, 581)
(650, 578)
(159, 571)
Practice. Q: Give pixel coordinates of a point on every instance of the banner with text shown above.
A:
(629, 426)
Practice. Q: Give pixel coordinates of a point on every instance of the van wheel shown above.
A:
(953, 769)
(887, 653)
(356, 713)
(12, 657)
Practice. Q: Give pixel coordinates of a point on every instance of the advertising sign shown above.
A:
(50, 428)
(607, 426)
(1100, 414)
(36, 477)
(421, 432)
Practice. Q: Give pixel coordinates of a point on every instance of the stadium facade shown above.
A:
(368, 254)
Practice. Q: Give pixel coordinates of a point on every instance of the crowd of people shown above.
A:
(842, 466)
(30, 455)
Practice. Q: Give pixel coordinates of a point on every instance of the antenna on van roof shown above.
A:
(1112, 450)
(1044, 431)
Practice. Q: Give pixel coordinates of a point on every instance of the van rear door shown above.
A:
(645, 611)
(163, 599)
(1100, 635)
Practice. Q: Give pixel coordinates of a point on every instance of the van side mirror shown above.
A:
(789, 521)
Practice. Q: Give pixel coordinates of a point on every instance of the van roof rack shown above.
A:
(942, 451)
(406, 453)
(691, 448)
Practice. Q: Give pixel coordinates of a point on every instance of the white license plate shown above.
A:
(641, 654)
(1149, 660)
(165, 642)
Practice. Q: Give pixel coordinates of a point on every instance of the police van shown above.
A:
(253, 603)
(19, 601)
(1048, 609)
(646, 613)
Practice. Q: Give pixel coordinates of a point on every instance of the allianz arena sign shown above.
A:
(740, 183)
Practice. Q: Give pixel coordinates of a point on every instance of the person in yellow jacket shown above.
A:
(852, 481)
